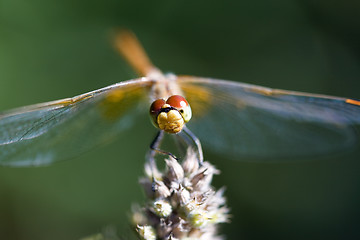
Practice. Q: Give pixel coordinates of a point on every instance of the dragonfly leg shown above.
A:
(189, 138)
(197, 143)
(154, 148)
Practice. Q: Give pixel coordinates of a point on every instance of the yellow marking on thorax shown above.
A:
(352, 101)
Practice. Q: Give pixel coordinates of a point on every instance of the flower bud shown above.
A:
(184, 196)
(191, 163)
(198, 218)
(146, 232)
(176, 172)
(190, 206)
(161, 189)
(162, 208)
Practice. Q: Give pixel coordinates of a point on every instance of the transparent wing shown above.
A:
(243, 120)
(43, 133)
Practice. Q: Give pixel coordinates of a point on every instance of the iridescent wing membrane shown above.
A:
(245, 121)
(43, 133)
(234, 119)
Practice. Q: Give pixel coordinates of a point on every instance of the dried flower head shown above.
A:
(182, 203)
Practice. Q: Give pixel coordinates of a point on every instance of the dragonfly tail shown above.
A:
(131, 49)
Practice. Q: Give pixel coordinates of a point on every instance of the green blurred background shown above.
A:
(54, 49)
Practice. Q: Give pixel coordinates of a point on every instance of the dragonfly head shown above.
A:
(170, 115)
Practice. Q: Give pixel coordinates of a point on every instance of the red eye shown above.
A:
(156, 106)
(177, 101)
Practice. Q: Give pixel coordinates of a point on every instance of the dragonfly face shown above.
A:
(170, 115)
(236, 119)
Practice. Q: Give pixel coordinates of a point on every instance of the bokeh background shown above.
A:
(61, 48)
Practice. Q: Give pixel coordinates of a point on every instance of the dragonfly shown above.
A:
(240, 120)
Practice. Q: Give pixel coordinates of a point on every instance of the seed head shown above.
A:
(182, 204)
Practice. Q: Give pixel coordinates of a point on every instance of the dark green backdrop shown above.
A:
(51, 49)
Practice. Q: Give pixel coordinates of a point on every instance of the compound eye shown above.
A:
(181, 105)
(156, 106)
(177, 101)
